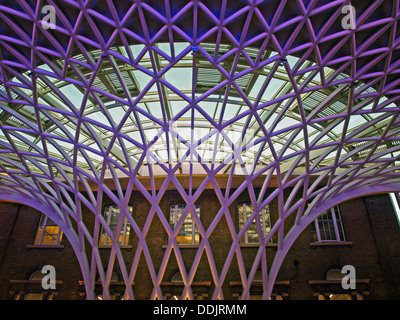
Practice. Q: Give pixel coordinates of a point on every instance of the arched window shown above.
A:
(177, 277)
(37, 275)
(337, 294)
(32, 289)
(334, 274)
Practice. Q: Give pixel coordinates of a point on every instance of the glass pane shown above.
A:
(251, 234)
(38, 275)
(125, 240)
(339, 224)
(339, 296)
(185, 233)
(52, 234)
(326, 227)
(33, 296)
(38, 234)
(111, 216)
(104, 239)
(265, 218)
(334, 274)
(114, 216)
(50, 222)
(241, 221)
(188, 233)
(329, 224)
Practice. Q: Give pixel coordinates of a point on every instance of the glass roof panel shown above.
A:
(180, 78)
(215, 108)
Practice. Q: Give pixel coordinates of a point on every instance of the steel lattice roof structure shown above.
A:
(117, 96)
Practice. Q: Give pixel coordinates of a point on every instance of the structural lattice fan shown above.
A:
(238, 96)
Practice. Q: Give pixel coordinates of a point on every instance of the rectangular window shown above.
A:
(188, 233)
(328, 226)
(111, 216)
(48, 233)
(264, 218)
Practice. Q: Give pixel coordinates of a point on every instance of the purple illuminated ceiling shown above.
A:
(158, 90)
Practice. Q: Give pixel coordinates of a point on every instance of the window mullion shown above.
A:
(43, 224)
(58, 236)
(193, 228)
(246, 236)
(263, 227)
(317, 230)
(123, 231)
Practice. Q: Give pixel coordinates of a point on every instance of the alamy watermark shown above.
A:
(349, 20)
(48, 17)
(349, 280)
(49, 280)
(204, 146)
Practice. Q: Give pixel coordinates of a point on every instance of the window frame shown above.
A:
(173, 221)
(336, 220)
(103, 232)
(41, 232)
(264, 214)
